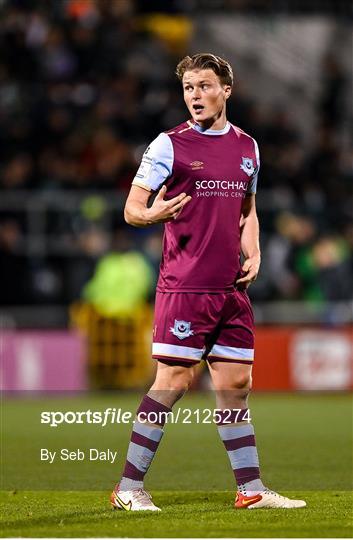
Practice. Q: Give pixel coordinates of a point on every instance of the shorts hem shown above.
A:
(230, 360)
(175, 359)
(195, 290)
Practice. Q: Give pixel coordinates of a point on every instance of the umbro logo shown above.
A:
(195, 165)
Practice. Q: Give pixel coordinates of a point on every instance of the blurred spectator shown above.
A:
(13, 269)
(17, 172)
(120, 285)
(293, 233)
(331, 105)
(324, 269)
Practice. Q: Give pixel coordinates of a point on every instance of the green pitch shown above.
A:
(305, 447)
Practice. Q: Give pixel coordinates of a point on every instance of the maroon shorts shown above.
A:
(190, 327)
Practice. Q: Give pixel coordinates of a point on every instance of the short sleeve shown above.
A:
(156, 164)
(252, 186)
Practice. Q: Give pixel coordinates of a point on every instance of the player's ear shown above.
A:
(227, 90)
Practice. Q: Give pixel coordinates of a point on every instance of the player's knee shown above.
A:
(242, 385)
(182, 382)
(176, 380)
(238, 387)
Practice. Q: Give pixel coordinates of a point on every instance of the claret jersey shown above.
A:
(201, 247)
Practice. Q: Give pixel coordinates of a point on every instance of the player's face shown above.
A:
(205, 97)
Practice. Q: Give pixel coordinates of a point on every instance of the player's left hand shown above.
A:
(251, 268)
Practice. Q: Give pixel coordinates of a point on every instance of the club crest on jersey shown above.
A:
(247, 166)
(181, 329)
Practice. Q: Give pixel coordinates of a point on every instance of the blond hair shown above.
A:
(219, 66)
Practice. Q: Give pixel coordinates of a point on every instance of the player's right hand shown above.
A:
(163, 211)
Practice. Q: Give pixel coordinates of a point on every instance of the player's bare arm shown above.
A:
(138, 214)
(249, 240)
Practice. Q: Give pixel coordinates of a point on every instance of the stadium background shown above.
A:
(85, 85)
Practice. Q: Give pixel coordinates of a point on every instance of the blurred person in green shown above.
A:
(324, 270)
(120, 285)
(306, 265)
(294, 235)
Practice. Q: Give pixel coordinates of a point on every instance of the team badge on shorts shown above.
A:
(247, 166)
(181, 329)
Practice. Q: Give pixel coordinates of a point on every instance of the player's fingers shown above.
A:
(172, 214)
(179, 205)
(176, 200)
(243, 284)
(246, 266)
(161, 193)
(166, 220)
(175, 208)
(251, 276)
(251, 279)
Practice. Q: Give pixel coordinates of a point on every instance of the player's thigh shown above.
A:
(173, 376)
(232, 384)
(230, 375)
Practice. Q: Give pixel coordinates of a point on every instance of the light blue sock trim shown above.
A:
(244, 457)
(230, 432)
(148, 431)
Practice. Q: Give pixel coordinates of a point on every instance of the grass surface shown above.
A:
(185, 514)
(305, 447)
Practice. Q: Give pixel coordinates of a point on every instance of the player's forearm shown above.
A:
(249, 239)
(137, 215)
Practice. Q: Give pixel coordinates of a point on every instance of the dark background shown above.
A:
(86, 85)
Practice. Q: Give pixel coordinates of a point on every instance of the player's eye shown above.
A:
(205, 86)
(188, 88)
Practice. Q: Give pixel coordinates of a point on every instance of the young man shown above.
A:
(205, 171)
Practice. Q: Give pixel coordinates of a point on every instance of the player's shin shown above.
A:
(145, 438)
(238, 438)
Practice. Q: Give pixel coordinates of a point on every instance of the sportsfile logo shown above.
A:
(221, 188)
(111, 415)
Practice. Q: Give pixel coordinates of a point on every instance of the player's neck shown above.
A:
(216, 124)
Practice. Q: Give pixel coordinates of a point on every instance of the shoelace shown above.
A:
(270, 492)
(277, 495)
(143, 496)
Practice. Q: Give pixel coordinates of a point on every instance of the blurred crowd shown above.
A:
(86, 85)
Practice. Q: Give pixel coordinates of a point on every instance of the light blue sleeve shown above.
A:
(156, 164)
(252, 186)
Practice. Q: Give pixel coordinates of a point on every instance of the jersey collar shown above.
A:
(198, 128)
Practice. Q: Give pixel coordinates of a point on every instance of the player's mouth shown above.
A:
(197, 108)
